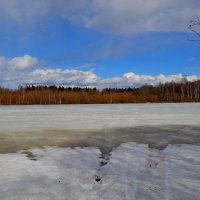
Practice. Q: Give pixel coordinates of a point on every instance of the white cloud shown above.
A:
(21, 63)
(13, 70)
(110, 16)
(135, 80)
(62, 77)
(18, 63)
(86, 66)
(89, 78)
(19, 70)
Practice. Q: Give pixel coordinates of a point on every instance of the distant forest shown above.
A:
(169, 92)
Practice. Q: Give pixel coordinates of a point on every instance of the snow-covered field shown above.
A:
(89, 152)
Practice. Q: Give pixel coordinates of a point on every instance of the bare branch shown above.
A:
(194, 26)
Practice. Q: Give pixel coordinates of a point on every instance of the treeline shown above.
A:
(170, 92)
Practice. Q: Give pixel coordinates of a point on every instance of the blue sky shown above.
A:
(92, 43)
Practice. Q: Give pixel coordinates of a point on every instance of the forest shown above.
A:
(184, 91)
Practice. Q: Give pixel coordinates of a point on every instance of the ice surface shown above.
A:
(133, 171)
(62, 117)
(121, 152)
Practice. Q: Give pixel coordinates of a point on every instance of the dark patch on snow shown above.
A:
(30, 155)
(98, 179)
(104, 159)
(106, 149)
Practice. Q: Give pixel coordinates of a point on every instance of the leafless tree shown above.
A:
(194, 26)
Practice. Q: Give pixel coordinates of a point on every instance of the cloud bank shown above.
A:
(25, 71)
(108, 16)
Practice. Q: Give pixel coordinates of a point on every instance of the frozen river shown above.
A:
(26, 118)
(129, 151)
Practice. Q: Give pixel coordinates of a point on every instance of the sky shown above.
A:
(107, 43)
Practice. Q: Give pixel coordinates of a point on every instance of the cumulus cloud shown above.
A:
(62, 77)
(89, 78)
(18, 63)
(110, 16)
(13, 70)
(136, 80)
(19, 71)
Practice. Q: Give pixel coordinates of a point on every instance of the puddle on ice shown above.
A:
(105, 139)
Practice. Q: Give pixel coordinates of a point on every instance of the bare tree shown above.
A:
(194, 26)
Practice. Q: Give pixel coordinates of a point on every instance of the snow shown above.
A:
(62, 117)
(133, 172)
(121, 152)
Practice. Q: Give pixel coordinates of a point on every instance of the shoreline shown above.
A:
(79, 104)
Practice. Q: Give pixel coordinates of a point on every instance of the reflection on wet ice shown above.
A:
(131, 171)
(138, 172)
